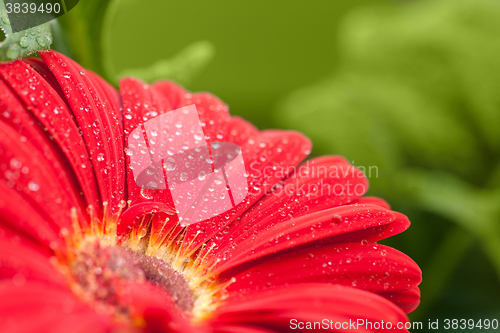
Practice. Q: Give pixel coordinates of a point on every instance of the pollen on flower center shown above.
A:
(98, 272)
(101, 266)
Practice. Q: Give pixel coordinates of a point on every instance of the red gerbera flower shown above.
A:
(84, 249)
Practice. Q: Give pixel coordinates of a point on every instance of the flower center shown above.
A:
(98, 272)
(100, 266)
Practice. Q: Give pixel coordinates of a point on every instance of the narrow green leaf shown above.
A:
(474, 209)
(23, 43)
(182, 68)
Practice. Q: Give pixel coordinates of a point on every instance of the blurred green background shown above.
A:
(412, 87)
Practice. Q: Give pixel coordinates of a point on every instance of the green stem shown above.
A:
(474, 209)
(64, 6)
(82, 26)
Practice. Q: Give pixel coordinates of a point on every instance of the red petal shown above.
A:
(239, 131)
(156, 308)
(372, 201)
(27, 171)
(23, 261)
(20, 216)
(407, 300)
(275, 308)
(174, 93)
(38, 307)
(376, 268)
(315, 185)
(213, 113)
(10, 235)
(13, 113)
(99, 123)
(41, 99)
(240, 329)
(140, 103)
(112, 96)
(344, 224)
(134, 214)
(273, 149)
(38, 65)
(87, 321)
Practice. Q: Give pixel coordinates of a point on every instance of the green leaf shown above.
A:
(474, 209)
(445, 50)
(418, 82)
(337, 116)
(181, 68)
(23, 43)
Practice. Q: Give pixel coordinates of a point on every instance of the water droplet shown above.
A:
(152, 185)
(12, 52)
(336, 218)
(24, 42)
(18, 279)
(40, 41)
(169, 166)
(146, 194)
(33, 186)
(15, 164)
(142, 232)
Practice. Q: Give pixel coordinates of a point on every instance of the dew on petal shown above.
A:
(33, 186)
